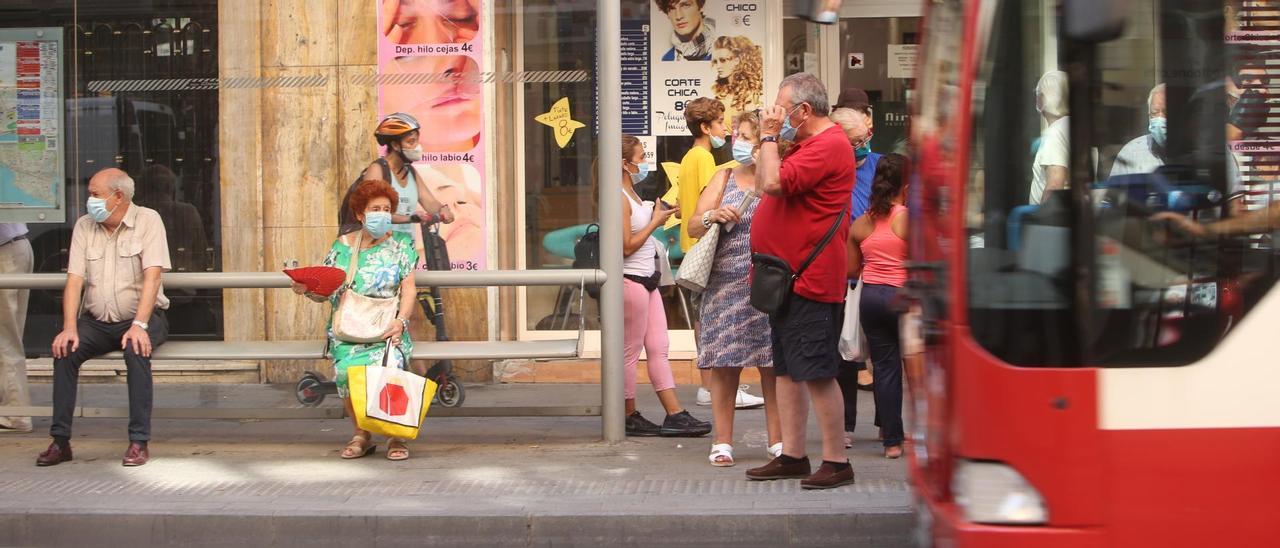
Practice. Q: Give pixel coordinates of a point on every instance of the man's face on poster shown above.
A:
(686, 18)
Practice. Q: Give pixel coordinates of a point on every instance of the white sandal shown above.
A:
(721, 451)
(774, 451)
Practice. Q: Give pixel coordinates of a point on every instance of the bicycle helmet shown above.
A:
(395, 126)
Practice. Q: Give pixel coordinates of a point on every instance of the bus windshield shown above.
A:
(1175, 155)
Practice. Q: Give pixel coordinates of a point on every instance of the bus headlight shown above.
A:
(995, 493)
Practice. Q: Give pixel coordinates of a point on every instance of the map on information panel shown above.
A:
(31, 133)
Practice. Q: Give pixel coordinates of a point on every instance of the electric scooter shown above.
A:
(313, 387)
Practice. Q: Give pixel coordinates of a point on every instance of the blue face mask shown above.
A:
(742, 150)
(642, 171)
(863, 151)
(1158, 128)
(717, 142)
(97, 208)
(788, 132)
(377, 223)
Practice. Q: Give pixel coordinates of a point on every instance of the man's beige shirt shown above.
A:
(112, 263)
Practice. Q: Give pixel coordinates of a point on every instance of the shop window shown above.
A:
(129, 104)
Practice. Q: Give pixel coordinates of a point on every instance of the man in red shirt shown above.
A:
(804, 195)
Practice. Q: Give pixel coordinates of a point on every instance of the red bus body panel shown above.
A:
(1119, 488)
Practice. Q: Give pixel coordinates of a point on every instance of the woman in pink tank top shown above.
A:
(878, 253)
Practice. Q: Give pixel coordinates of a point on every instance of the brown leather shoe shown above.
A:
(827, 477)
(776, 470)
(55, 454)
(137, 454)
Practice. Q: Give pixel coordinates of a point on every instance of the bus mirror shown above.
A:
(1094, 20)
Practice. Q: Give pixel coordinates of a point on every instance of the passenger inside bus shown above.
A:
(1182, 218)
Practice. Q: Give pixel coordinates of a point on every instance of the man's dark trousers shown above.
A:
(98, 338)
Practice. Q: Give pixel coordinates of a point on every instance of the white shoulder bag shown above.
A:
(361, 319)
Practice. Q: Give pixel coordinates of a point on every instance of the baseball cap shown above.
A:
(853, 98)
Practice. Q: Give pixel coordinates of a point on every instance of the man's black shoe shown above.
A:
(640, 426)
(683, 425)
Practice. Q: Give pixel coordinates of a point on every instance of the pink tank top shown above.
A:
(884, 253)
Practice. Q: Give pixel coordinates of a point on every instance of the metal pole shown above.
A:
(609, 107)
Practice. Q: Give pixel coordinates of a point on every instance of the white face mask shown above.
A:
(412, 154)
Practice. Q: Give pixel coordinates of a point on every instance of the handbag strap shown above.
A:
(354, 258)
(386, 355)
(822, 244)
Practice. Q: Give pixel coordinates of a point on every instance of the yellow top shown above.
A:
(696, 170)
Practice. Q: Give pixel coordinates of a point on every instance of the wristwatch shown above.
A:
(769, 139)
(404, 323)
(706, 219)
(414, 218)
(143, 325)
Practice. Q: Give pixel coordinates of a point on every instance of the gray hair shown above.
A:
(1151, 97)
(122, 183)
(806, 88)
(847, 118)
(1052, 87)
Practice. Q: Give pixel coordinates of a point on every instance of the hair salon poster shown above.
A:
(705, 48)
(429, 56)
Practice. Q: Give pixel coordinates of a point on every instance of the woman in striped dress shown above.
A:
(734, 335)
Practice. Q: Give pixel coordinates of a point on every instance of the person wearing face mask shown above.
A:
(416, 203)
(118, 254)
(1146, 153)
(644, 316)
(705, 118)
(854, 117)
(853, 114)
(385, 262)
(805, 201)
(734, 335)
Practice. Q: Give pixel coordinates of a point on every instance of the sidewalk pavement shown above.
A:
(470, 482)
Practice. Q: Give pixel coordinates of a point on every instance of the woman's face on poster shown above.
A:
(725, 62)
(686, 17)
(431, 21)
(449, 184)
(447, 101)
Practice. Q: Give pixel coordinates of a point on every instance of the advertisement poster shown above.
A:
(31, 163)
(705, 49)
(429, 66)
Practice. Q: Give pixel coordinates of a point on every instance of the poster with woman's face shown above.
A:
(429, 21)
(429, 55)
(705, 48)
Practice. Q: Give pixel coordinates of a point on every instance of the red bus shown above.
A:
(1095, 204)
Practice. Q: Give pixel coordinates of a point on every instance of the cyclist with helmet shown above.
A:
(399, 133)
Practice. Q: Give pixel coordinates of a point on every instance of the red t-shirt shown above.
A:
(817, 179)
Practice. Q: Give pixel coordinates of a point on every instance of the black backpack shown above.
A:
(586, 254)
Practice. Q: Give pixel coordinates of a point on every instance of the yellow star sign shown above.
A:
(560, 120)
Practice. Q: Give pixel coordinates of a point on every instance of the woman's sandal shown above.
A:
(774, 451)
(893, 452)
(721, 455)
(397, 450)
(358, 447)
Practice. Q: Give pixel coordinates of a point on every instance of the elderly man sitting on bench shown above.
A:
(118, 253)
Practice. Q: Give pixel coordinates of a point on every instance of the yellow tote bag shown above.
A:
(389, 401)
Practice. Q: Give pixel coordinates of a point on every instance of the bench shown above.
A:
(315, 349)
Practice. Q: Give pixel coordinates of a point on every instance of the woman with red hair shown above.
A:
(384, 269)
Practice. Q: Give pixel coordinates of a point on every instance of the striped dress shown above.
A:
(733, 333)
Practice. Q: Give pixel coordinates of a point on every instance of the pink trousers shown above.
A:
(645, 326)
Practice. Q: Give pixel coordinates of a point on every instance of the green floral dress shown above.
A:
(379, 273)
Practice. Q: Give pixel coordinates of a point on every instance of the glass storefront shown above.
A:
(243, 122)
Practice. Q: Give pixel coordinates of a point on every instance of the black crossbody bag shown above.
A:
(772, 279)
